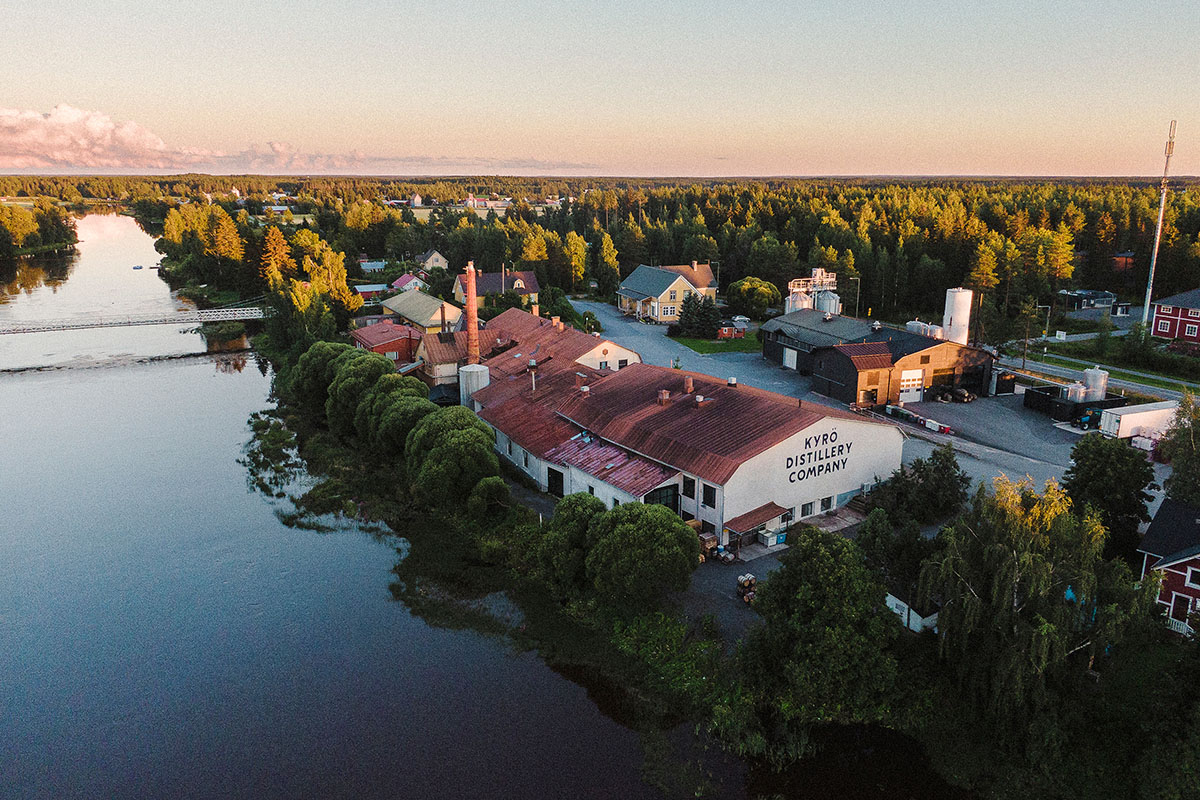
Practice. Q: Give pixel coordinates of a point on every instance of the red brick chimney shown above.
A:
(472, 317)
(688, 385)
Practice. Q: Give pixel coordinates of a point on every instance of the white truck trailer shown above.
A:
(1148, 419)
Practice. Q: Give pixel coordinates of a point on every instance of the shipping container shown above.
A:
(1148, 420)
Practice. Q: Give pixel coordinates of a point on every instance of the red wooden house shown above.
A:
(1177, 316)
(1172, 547)
(397, 342)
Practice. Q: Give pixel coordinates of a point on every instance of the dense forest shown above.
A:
(25, 229)
(896, 245)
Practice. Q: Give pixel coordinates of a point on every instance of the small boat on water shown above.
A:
(137, 266)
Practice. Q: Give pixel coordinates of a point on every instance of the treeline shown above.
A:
(29, 230)
(897, 246)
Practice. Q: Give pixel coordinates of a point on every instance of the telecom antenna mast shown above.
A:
(1162, 206)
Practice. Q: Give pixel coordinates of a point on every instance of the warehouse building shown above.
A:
(894, 366)
(866, 363)
(742, 461)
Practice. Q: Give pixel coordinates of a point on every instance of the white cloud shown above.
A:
(70, 139)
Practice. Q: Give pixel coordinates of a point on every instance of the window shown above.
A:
(616, 502)
(924, 359)
(689, 487)
(787, 516)
(806, 510)
(686, 515)
(622, 363)
(707, 527)
(671, 296)
(395, 354)
(710, 496)
(826, 503)
(668, 311)
(526, 458)
(1163, 326)
(1194, 312)
(603, 365)
(592, 491)
(1166, 309)
(1193, 577)
(1189, 330)
(509, 446)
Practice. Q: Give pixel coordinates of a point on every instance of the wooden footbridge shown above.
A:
(169, 318)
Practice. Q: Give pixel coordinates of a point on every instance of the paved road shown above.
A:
(655, 347)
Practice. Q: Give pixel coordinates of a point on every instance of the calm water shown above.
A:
(100, 281)
(162, 634)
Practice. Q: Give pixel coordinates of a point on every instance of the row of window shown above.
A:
(1194, 313)
(1164, 326)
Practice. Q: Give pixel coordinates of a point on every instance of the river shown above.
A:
(163, 633)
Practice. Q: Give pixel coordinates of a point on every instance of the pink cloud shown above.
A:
(69, 139)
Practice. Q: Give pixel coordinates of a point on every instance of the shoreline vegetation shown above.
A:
(1049, 675)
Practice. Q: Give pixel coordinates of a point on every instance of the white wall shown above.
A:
(831, 458)
(911, 618)
(615, 354)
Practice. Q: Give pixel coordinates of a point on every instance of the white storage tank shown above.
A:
(1096, 381)
(956, 321)
(828, 302)
(471, 378)
(1075, 392)
(916, 326)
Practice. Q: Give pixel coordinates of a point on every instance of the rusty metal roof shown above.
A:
(611, 464)
(868, 355)
(710, 440)
(382, 333)
(744, 523)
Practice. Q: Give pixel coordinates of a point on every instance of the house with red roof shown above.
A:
(406, 283)
(397, 342)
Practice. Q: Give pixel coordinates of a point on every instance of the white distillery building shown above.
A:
(742, 461)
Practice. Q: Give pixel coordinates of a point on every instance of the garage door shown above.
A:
(911, 381)
(789, 358)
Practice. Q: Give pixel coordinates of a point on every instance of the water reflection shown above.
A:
(24, 276)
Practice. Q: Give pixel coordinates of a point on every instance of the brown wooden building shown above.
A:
(898, 366)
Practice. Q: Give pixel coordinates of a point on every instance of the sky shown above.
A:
(663, 88)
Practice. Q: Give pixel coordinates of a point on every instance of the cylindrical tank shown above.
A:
(1096, 381)
(471, 378)
(915, 326)
(828, 302)
(797, 301)
(956, 321)
(1076, 392)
